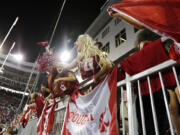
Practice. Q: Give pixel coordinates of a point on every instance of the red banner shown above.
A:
(46, 120)
(25, 118)
(94, 113)
(161, 16)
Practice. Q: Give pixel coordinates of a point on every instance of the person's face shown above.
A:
(78, 45)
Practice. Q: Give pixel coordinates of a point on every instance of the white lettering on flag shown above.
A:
(94, 113)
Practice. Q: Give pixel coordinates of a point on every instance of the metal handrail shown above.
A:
(149, 71)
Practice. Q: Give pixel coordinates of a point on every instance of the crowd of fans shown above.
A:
(15, 79)
(16, 74)
(16, 71)
(93, 63)
(61, 77)
(61, 81)
(9, 104)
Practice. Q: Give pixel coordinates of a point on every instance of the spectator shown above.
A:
(38, 102)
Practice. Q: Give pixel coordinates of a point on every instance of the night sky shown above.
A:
(37, 19)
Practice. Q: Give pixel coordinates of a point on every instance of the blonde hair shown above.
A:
(87, 44)
(34, 95)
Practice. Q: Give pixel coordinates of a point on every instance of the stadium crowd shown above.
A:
(8, 106)
(94, 64)
(61, 81)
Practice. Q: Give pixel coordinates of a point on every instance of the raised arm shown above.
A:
(126, 18)
(68, 66)
(70, 77)
(32, 105)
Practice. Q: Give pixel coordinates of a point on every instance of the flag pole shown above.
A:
(7, 56)
(17, 18)
(33, 87)
(52, 36)
(32, 71)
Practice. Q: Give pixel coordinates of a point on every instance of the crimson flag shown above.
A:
(161, 16)
(45, 43)
(94, 113)
(46, 120)
(25, 118)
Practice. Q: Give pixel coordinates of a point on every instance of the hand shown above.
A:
(56, 81)
(111, 12)
(46, 100)
(47, 48)
(94, 78)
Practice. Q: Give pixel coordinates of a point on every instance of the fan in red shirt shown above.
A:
(38, 103)
(65, 83)
(91, 61)
(62, 82)
(164, 22)
(152, 52)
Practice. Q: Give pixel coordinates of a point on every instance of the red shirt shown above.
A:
(151, 55)
(39, 105)
(65, 87)
(90, 67)
(33, 108)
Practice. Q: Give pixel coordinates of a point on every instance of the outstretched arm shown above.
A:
(69, 77)
(32, 105)
(48, 97)
(126, 18)
(68, 66)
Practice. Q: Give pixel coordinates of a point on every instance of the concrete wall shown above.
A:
(125, 47)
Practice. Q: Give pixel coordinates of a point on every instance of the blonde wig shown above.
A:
(87, 46)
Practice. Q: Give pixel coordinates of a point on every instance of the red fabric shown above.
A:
(46, 121)
(33, 108)
(173, 54)
(39, 105)
(64, 87)
(46, 62)
(151, 55)
(94, 113)
(45, 43)
(64, 131)
(160, 15)
(90, 67)
(25, 118)
(112, 105)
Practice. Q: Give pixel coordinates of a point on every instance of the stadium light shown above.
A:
(18, 57)
(65, 56)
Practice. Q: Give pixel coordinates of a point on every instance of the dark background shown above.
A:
(37, 19)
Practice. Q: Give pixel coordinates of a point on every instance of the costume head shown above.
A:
(85, 46)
